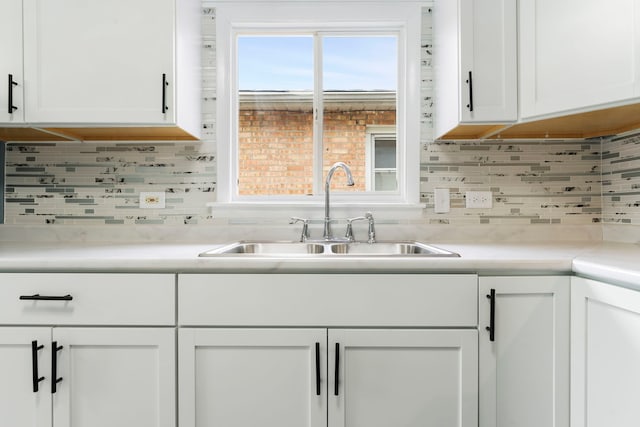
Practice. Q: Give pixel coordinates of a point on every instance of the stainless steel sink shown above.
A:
(267, 248)
(329, 249)
(407, 248)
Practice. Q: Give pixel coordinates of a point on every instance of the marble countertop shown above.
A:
(612, 262)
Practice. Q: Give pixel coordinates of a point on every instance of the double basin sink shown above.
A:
(329, 248)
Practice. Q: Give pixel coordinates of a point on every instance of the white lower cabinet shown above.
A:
(319, 377)
(408, 378)
(87, 366)
(524, 351)
(605, 355)
(114, 377)
(252, 377)
(25, 401)
(328, 350)
(99, 377)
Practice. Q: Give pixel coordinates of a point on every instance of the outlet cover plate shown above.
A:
(152, 200)
(479, 199)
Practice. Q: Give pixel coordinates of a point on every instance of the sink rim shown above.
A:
(328, 251)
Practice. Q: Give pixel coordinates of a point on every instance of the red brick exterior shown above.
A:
(276, 148)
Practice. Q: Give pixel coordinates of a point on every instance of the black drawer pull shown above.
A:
(38, 297)
(470, 82)
(54, 367)
(165, 83)
(492, 315)
(34, 364)
(317, 369)
(10, 107)
(336, 388)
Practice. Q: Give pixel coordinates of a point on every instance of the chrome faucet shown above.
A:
(326, 234)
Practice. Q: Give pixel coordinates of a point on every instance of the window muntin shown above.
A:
(289, 135)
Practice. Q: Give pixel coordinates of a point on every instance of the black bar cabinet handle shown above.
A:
(317, 369)
(492, 315)
(38, 297)
(54, 366)
(34, 364)
(470, 81)
(337, 372)
(165, 83)
(10, 107)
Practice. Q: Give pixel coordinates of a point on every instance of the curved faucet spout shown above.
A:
(327, 185)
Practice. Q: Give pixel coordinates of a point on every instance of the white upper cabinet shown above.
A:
(104, 70)
(475, 64)
(578, 54)
(11, 104)
(97, 62)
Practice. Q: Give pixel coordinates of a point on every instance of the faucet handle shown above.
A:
(372, 227)
(305, 227)
(349, 234)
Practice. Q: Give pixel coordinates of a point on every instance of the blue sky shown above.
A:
(286, 63)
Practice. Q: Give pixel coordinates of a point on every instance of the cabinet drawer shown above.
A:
(327, 300)
(97, 299)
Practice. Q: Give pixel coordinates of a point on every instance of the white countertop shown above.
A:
(613, 262)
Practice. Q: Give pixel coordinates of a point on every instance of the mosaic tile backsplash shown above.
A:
(534, 182)
(621, 180)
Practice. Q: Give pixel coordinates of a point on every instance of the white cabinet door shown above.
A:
(25, 401)
(252, 377)
(114, 377)
(524, 371)
(605, 350)
(488, 39)
(94, 61)
(576, 54)
(403, 378)
(475, 67)
(11, 62)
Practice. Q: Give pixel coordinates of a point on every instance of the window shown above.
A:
(381, 159)
(304, 93)
(280, 139)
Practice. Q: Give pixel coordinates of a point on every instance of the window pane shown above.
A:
(359, 80)
(385, 153)
(275, 121)
(275, 63)
(385, 181)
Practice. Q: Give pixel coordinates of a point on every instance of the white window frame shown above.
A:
(400, 17)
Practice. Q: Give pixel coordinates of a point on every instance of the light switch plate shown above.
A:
(152, 200)
(441, 200)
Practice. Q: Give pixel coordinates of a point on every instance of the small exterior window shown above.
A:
(382, 171)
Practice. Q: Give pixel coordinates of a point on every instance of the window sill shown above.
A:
(314, 210)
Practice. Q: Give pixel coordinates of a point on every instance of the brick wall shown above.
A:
(276, 148)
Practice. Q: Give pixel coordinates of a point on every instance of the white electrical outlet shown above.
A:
(152, 200)
(479, 199)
